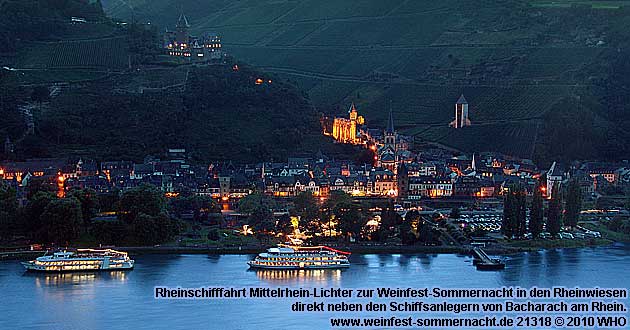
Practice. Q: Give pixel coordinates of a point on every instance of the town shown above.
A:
(467, 195)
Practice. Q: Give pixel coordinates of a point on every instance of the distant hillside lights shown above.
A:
(180, 43)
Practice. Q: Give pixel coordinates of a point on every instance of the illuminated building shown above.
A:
(429, 187)
(461, 113)
(180, 43)
(346, 130)
(554, 179)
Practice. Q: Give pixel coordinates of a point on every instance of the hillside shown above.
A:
(213, 112)
(81, 84)
(515, 61)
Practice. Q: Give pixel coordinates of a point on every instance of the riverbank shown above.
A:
(538, 244)
(505, 248)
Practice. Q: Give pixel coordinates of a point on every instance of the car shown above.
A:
(579, 235)
(566, 235)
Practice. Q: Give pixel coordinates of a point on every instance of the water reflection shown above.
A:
(75, 278)
(319, 276)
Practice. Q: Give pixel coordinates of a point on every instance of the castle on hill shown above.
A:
(180, 43)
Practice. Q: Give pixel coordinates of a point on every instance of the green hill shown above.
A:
(68, 90)
(514, 60)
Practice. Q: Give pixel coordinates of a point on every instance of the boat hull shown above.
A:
(32, 267)
(296, 267)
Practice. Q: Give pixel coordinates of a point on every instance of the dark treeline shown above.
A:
(144, 216)
(563, 210)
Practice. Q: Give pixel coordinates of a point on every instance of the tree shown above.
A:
(335, 198)
(254, 201)
(536, 213)
(514, 212)
(573, 204)
(352, 218)
(285, 225)
(34, 225)
(151, 230)
(145, 199)
(389, 217)
(89, 203)
(62, 220)
(8, 211)
(306, 207)
(521, 212)
(455, 213)
(200, 206)
(213, 234)
(554, 214)
(262, 220)
(508, 224)
(407, 229)
(260, 210)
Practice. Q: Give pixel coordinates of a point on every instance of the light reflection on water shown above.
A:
(323, 277)
(124, 299)
(74, 278)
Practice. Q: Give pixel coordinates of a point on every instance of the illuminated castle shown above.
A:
(181, 44)
(461, 113)
(346, 130)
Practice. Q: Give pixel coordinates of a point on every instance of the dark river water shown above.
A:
(124, 300)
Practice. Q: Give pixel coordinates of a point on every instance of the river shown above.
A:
(124, 300)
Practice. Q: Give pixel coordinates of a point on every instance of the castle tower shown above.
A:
(8, 146)
(353, 123)
(181, 30)
(461, 113)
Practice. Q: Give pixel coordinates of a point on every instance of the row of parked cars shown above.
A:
(487, 222)
(581, 233)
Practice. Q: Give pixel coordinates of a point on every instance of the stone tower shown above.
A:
(9, 147)
(181, 30)
(461, 113)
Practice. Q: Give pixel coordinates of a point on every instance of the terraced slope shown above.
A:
(514, 60)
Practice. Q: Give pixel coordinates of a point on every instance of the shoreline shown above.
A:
(356, 249)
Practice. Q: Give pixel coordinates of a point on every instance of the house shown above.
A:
(427, 186)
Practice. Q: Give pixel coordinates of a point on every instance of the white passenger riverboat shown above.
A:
(81, 260)
(300, 257)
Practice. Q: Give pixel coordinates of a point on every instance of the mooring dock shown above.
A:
(483, 261)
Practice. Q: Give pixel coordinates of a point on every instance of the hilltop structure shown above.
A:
(180, 43)
(461, 113)
(347, 130)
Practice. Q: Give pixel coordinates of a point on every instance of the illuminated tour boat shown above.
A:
(81, 260)
(300, 257)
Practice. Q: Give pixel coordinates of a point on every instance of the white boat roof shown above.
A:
(281, 250)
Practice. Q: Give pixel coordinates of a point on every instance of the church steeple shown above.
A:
(390, 122)
(182, 22)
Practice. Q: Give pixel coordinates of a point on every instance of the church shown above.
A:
(180, 43)
(348, 130)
